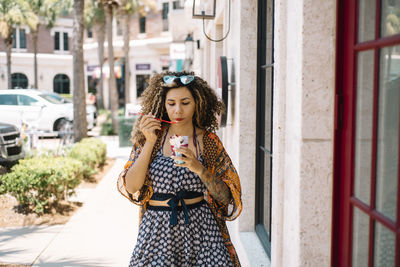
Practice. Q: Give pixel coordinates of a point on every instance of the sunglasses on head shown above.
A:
(185, 79)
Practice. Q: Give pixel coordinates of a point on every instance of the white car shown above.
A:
(34, 108)
(91, 110)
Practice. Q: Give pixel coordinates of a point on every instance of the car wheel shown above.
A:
(62, 125)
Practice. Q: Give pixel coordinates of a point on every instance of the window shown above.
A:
(367, 167)
(24, 100)
(19, 37)
(89, 33)
(61, 45)
(65, 34)
(19, 80)
(57, 41)
(178, 4)
(22, 38)
(142, 24)
(264, 151)
(142, 81)
(61, 84)
(8, 100)
(119, 28)
(165, 16)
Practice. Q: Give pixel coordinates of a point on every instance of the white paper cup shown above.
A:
(177, 141)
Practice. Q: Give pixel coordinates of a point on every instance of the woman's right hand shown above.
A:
(148, 126)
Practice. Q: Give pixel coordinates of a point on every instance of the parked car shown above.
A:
(10, 144)
(36, 109)
(91, 110)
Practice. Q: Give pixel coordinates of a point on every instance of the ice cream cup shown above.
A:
(178, 141)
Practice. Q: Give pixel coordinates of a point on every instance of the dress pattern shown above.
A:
(218, 163)
(198, 243)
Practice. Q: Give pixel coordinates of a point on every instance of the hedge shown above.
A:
(36, 182)
(91, 152)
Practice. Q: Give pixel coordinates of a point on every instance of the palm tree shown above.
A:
(79, 96)
(126, 10)
(16, 12)
(109, 7)
(47, 12)
(95, 19)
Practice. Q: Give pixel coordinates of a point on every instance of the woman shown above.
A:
(185, 200)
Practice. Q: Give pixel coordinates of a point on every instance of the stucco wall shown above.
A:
(246, 99)
(303, 132)
(49, 65)
(240, 48)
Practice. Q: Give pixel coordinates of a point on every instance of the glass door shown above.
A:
(367, 177)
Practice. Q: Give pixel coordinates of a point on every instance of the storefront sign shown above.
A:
(144, 66)
(90, 68)
(177, 51)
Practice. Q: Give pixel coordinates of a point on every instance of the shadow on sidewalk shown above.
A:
(73, 263)
(7, 235)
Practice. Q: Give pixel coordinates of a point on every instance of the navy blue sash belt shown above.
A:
(173, 204)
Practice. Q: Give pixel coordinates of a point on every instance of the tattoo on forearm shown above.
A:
(217, 188)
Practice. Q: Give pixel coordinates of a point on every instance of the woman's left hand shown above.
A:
(190, 160)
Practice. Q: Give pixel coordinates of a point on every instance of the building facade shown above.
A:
(312, 126)
(54, 58)
(153, 48)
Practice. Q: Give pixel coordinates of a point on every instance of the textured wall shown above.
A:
(49, 66)
(303, 132)
(246, 110)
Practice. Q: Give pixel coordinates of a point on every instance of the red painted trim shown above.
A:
(344, 134)
(373, 156)
(376, 215)
(336, 205)
(386, 41)
(350, 143)
(397, 248)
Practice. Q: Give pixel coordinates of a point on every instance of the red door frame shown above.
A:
(345, 105)
(343, 134)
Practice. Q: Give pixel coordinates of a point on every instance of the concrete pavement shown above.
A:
(102, 233)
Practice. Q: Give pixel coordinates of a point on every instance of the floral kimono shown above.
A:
(217, 161)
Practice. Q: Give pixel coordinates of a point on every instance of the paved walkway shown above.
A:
(101, 233)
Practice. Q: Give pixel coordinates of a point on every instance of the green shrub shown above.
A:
(37, 182)
(107, 128)
(91, 152)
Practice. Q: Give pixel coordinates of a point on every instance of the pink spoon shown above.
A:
(172, 122)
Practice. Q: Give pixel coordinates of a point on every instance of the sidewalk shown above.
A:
(101, 233)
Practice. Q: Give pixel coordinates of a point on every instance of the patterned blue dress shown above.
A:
(198, 243)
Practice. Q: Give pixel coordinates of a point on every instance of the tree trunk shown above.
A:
(9, 43)
(79, 95)
(127, 76)
(100, 36)
(112, 83)
(35, 46)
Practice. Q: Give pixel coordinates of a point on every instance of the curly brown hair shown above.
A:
(207, 105)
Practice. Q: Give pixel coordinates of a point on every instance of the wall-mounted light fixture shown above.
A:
(205, 9)
(189, 52)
